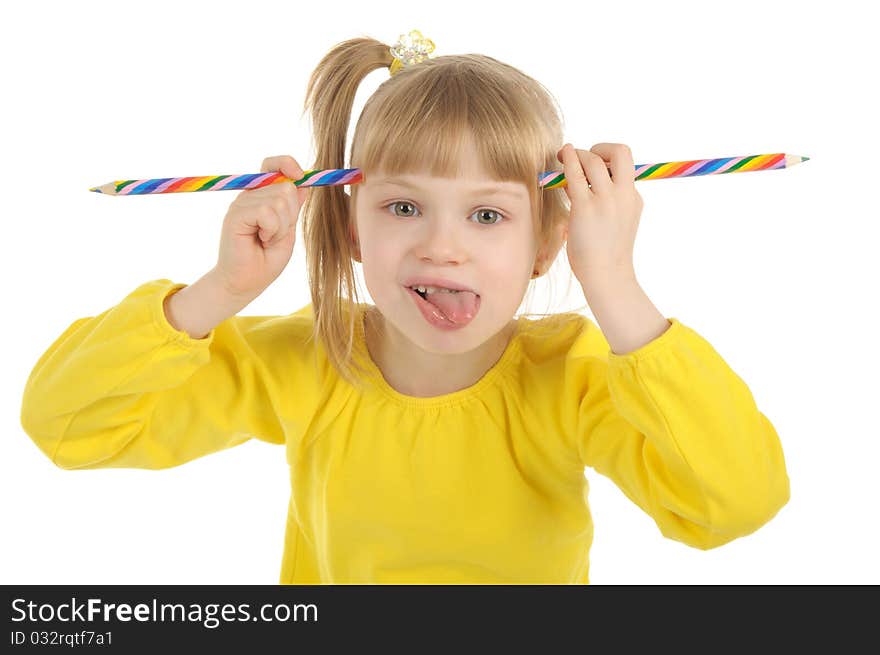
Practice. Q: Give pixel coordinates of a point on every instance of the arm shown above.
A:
(196, 309)
(673, 426)
(626, 315)
(126, 388)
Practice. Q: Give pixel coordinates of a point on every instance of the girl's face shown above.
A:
(469, 230)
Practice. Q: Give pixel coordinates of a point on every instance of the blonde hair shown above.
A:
(417, 119)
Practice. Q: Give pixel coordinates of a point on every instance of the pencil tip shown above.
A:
(805, 158)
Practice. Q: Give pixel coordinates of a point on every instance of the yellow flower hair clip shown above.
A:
(410, 49)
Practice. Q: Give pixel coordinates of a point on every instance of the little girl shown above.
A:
(433, 437)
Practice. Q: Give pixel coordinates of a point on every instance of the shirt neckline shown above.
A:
(490, 377)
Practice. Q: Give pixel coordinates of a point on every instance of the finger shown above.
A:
(281, 201)
(289, 237)
(268, 224)
(284, 164)
(285, 207)
(288, 204)
(297, 172)
(597, 172)
(289, 167)
(576, 180)
(271, 164)
(619, 156)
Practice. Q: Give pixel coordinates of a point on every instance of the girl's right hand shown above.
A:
(259, 232)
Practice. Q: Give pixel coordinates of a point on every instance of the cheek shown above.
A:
(507, 266)
(366, 230)
(380, 258)
(515, 249)
(380, 248)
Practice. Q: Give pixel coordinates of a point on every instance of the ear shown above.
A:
(353, 240)
(547, 252)
(352, 229)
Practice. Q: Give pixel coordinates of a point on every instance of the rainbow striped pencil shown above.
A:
(337, 176)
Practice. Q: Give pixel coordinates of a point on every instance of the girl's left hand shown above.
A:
(605, 212)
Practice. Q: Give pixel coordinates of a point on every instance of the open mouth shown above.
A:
(423, 292)
(446, 307)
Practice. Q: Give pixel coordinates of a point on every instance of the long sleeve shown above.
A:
(678, 431)
(126, 389)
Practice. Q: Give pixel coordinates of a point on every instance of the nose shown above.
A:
(440, 242)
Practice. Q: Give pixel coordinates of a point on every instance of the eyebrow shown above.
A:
(483, 191)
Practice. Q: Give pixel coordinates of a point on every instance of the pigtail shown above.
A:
(327, 216)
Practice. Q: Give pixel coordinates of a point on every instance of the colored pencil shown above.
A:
(338, 176)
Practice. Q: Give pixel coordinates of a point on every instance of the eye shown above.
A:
(485, 210)
(400, 202)
(480, 212)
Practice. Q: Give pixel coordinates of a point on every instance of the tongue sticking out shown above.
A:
(457, 307)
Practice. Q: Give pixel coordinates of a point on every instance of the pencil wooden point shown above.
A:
(109, 189)
(791, 160)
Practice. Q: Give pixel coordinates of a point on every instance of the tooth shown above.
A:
(427, 289)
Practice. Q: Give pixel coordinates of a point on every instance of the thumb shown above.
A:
(576, 180)
(291, 168)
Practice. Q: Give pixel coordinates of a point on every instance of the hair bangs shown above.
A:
(421, 123)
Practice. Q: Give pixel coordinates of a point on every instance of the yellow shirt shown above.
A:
(484, 485)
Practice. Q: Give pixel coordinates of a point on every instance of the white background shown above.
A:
(777, 270)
